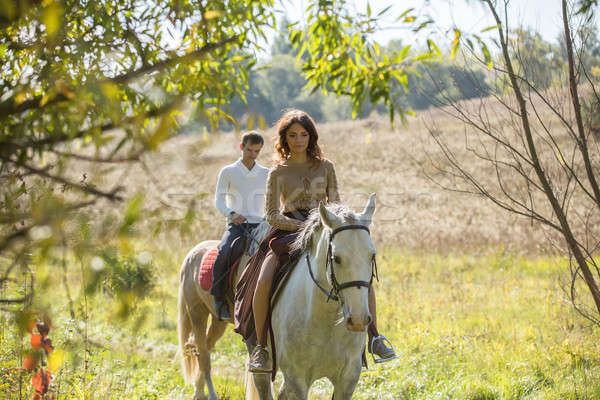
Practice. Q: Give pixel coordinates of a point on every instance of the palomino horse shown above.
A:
(320, 319)
(195, 305)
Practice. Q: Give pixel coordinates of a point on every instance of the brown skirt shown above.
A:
(277, 242)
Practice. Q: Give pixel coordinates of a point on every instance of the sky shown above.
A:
(543, 16)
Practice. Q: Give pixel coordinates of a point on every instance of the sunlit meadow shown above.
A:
(472, 298)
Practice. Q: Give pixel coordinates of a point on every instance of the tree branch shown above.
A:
(112, 195)
(10, 106)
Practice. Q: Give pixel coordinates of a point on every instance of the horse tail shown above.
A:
(189, 363)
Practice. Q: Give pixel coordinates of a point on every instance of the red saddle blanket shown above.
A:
(205, 275)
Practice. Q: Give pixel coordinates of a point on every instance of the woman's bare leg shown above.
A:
(373, 310)
(378, 346)
(260, 302)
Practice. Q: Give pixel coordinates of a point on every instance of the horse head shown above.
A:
(349, 266)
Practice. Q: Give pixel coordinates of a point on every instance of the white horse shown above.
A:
(314, 337)
(196, 341)
(321, 317)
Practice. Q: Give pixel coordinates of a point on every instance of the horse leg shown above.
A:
(199, 316)
(293, 389)
(215, 331)
(258, 386)
(344, 385)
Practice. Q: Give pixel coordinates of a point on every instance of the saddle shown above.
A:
(205, 274)
(244, 317)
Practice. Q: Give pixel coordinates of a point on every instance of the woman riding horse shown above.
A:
(300, 180)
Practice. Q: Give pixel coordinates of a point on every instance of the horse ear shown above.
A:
(329, 219)
(366, 217)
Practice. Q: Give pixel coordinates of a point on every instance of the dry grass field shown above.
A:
(370, 156)
(469, 294)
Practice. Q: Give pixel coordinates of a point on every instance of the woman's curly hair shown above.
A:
(282, 150)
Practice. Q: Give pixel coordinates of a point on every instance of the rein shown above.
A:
(337, 287)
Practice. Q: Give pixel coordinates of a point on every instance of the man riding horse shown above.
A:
(240, 196)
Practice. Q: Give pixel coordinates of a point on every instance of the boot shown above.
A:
(222, 309)
(379, 347)
(260, 361)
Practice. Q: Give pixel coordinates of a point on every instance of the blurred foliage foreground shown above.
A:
(85, 88)
(468, 327)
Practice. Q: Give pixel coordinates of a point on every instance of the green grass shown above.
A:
(484, 327)
(487, 327)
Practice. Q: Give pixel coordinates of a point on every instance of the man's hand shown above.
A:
(237, 219)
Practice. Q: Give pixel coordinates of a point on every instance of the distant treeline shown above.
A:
(278, 84)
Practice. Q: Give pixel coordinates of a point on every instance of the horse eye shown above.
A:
(337, 259)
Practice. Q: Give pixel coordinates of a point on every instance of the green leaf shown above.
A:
(132, 214)
(404, 13)
(404, 52)
(161, 133)
(385, 10)
(431, 45)
(377, 50)
(423, 25)
(486, 52)
(489, 28)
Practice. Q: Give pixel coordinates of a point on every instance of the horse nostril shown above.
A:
(369, 319)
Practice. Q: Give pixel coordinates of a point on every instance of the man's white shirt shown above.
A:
(242, 191)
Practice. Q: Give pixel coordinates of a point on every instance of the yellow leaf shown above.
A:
(56, 360)
(161, 133)
(51, 18)
(250, 122)
(21, 97)
(44, 100)
(455, 43)
(110, 90)
(210, 14)
(125, 245)
(262, 122)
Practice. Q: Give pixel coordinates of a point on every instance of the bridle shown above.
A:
(337, 287)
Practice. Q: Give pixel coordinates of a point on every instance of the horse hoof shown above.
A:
(201, 396)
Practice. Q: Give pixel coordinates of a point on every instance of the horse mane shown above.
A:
(258, 234)
(312, 225)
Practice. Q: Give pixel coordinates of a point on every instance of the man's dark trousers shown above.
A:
(221, 266)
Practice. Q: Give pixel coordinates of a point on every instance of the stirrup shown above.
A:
(380, 359)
